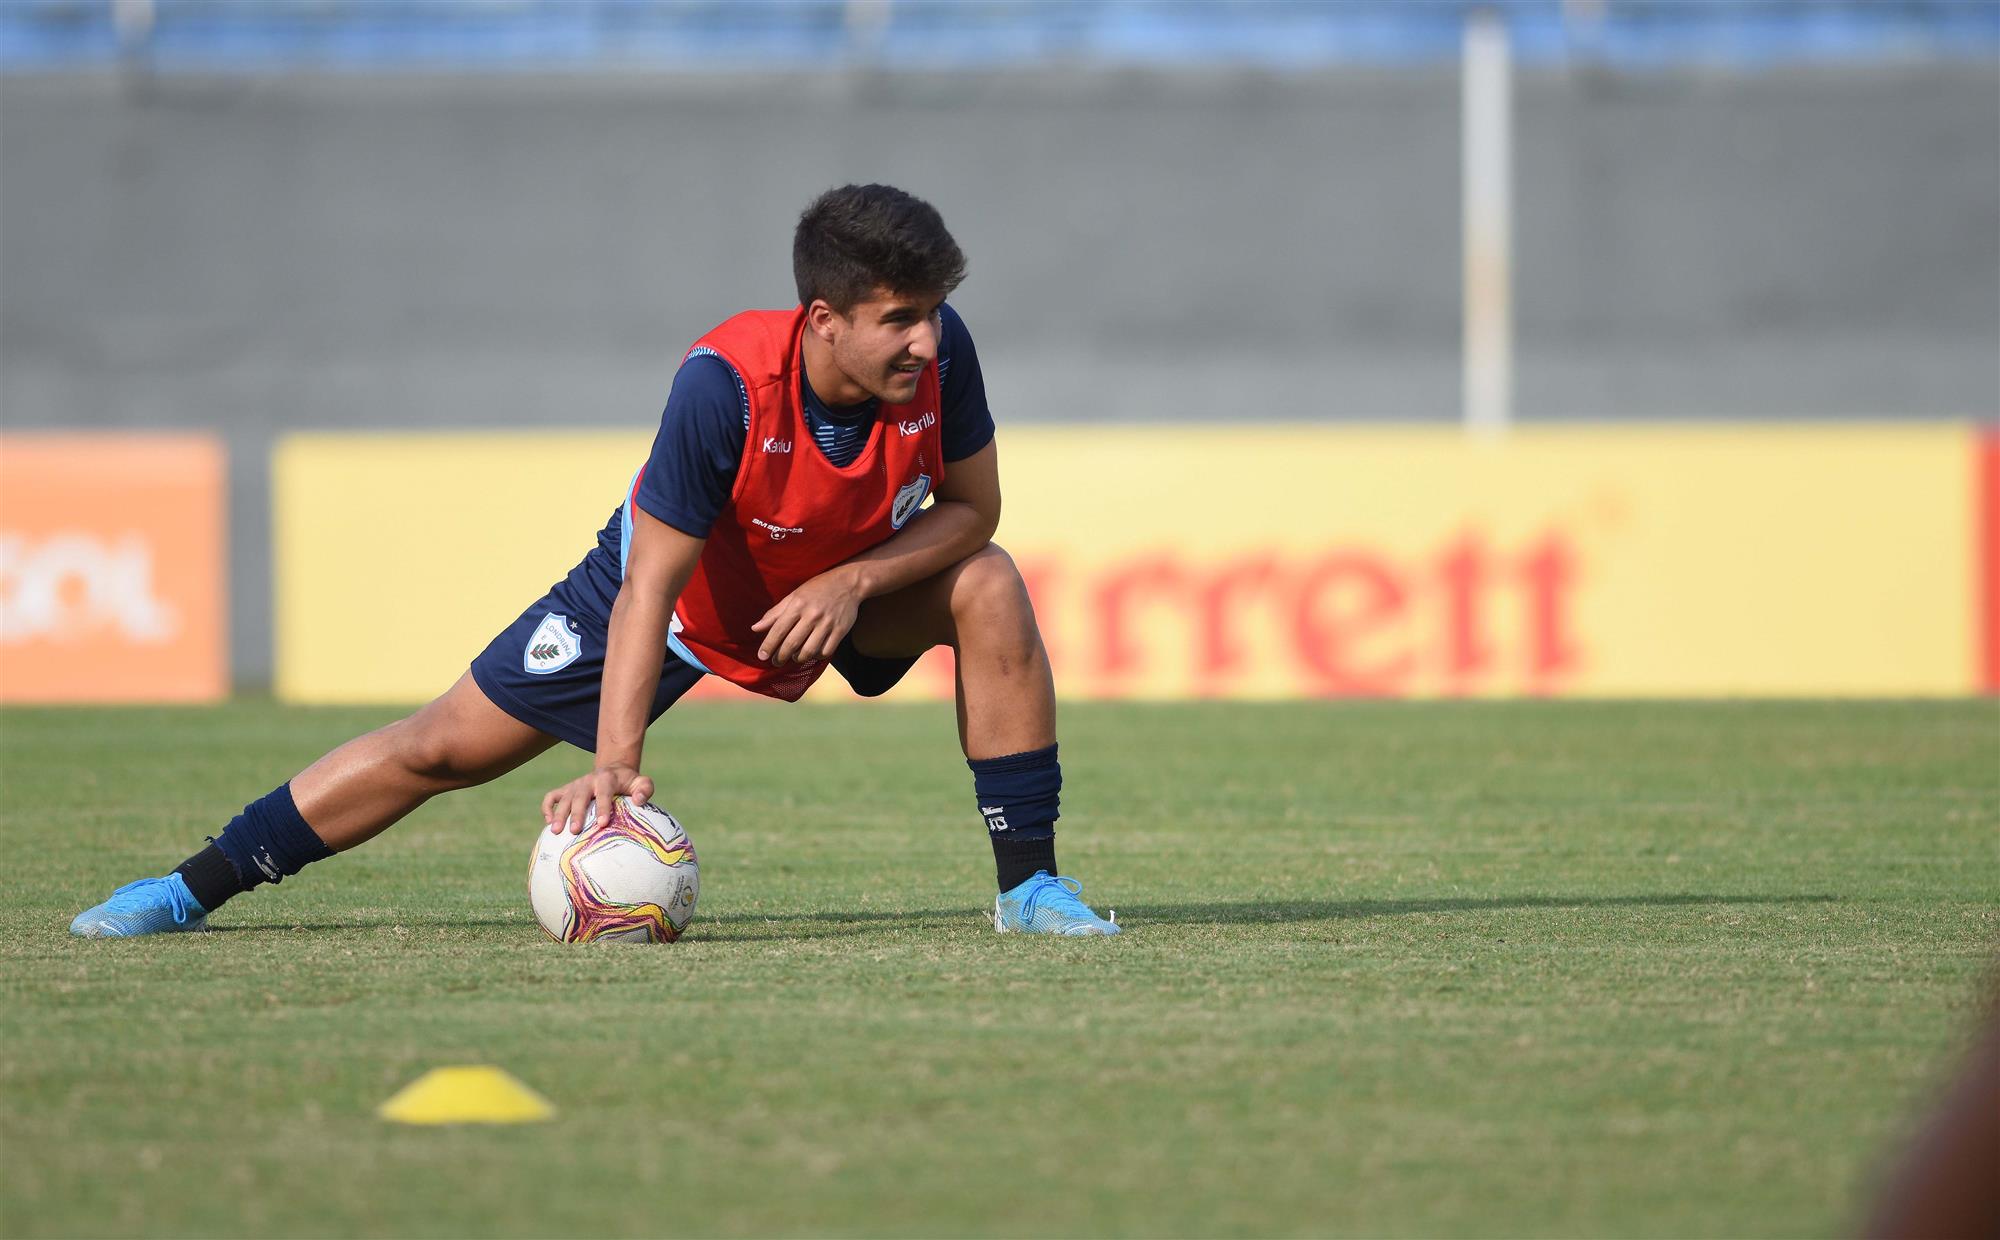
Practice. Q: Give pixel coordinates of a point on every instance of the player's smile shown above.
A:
(902, 383)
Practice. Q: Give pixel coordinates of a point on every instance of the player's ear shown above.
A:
(819, 319)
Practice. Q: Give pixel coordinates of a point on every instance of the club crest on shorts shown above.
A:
(552, 647)
(908, 500)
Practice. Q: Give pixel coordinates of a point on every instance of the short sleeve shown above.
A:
(695, 456)
(965, 423)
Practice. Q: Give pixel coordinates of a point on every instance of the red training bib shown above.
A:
(793, 514)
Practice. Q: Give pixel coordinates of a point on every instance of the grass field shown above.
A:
(1665, 969)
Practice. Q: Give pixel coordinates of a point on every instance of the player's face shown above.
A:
(885, 342)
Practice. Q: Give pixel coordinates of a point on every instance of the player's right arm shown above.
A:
(662, 559)
(686, 483)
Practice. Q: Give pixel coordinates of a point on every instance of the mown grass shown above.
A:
(1418, 969)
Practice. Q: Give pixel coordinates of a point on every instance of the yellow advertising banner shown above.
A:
(112, 568)
(1269, 561)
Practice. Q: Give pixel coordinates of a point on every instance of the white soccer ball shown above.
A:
(633, 879)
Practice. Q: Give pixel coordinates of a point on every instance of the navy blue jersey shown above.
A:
(692, 467)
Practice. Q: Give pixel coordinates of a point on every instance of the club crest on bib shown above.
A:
(908, 500)
(552, 647)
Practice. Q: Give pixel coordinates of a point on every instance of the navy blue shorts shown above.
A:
(545, 669)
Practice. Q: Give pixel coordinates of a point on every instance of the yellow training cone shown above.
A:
(467, 1095)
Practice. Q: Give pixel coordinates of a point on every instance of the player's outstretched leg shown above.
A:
(1006, 725)
(345, 798)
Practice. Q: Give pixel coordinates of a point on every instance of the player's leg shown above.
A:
(459, 740)
(347, 797)
(980, 608)
(1006, 720)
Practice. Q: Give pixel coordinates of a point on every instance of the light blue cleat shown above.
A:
(149, 906)
(1046, 904)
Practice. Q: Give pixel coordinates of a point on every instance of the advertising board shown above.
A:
(1263, 562)
(112, 577)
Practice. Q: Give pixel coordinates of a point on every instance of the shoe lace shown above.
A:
(1060, 894)
(183, 905)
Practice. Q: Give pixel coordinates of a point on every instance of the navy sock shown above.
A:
(1017, 861)
(211, 877)
(269, 840)
(1020, 797)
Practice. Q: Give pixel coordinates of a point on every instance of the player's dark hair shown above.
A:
(858, 238)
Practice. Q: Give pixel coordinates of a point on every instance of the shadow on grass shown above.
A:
(1248, 911)
(414, 925)
(745, 927)
(1348, 910)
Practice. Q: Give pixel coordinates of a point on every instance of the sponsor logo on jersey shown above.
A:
(777, 532)
(917, 426)
(773, 444)
(908, 500)
(552, 647)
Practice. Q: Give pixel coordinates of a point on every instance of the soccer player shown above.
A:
(777, 528)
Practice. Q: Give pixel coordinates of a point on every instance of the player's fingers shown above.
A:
(788, 650)
(825, 637)
(586, 803)
(836, 633)
(549, 805)
(774, 638)
(800, 644)
(808, 639)
(642, 790)
(797, 626)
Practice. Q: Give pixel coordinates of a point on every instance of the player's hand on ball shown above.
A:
(564, 808)
(809, 623)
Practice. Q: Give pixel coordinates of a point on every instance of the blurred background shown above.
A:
(1596, 347)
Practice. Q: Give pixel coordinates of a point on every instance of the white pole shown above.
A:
(1487, 102)
(133, 22)
(866, 20)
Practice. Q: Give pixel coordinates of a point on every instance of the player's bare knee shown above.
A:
(989, 600)
(987, 584)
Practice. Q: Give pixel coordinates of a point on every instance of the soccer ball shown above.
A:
(632, 879)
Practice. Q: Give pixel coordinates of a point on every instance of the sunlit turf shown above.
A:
(1483, 969)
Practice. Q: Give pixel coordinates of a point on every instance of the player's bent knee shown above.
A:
(989, 584)
(990, 603)
(990, 592)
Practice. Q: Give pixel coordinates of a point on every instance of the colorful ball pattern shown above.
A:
(633, 878)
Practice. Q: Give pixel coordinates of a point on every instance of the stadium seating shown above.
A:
(212, 35)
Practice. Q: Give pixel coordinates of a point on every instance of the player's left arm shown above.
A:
(810, 622)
